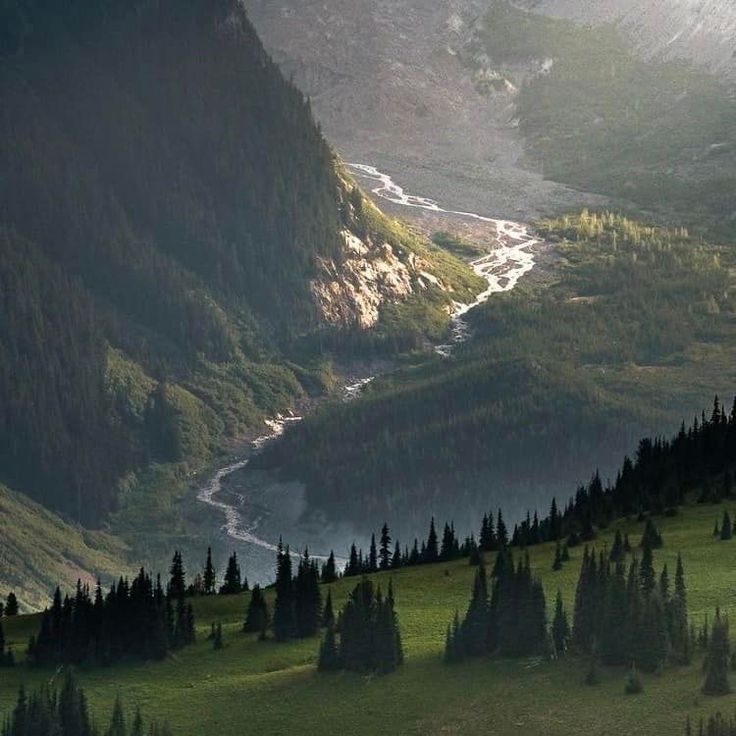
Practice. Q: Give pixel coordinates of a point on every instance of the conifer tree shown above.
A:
(560, 627)
(217, 642)
(647, 575)
(557, 563)
(373, 556)
(454, 644)
(633, 685)
(385, 549)
(502, 536)
(284, 622)
(475, 624)
(328, 613)
(726, 527)
(396, 560)
(11, 605)
(232, 582)
(329, 569)
(307, 598)
(431, 552)
(256, 617)
(718, 659)
(177, 581)
(329, 655)
(209, 577)
(117, 722)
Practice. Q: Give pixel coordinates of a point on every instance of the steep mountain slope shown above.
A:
(390, 87)
(175, 232)
(702, 31)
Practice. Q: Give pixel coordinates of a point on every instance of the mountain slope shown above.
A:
(172, 219)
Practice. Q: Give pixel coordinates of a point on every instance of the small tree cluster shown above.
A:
(630, 618)
(65, 713)
(257, 618)
(369, 637)
(233, 582)
(298, 607)
(134, 619)
(511, 622)
(718, 658)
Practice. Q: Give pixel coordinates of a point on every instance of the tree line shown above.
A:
(65, 712)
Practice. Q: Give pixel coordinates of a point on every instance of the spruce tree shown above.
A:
(431, 552)
(718, 658)
(373, 556)
(647, 575)
(329, 569)
(117, 722)
(232, 582)
(11, 605)
(557, 562)
(726, 527)
(328, 613)
(177, 581)
(217, 641)
(475, 623)
(256, 617)
(209, 577)
(633, 685)
(385, 549)
(502, 536)
(329, 655)
(284, 622)
(560, 627)
(307, 598)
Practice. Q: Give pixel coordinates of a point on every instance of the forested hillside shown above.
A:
(168, 206)
(633, 327)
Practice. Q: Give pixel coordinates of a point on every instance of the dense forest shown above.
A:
(167, 201)
(629, 332)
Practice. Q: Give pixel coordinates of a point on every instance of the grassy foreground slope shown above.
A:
(268, 688)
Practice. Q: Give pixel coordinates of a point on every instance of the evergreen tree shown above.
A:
(117, 721)
(328, 614)
(397, 560)
(385, 551)
(560, 627)
(256, 617)
(502, 537)
(557, 563)
(373, 556)
(284, 621)
(633, 685)
(307, 598)
(232, 582)
(726, 527)
(329, 569)
(647, 575)
(11, 605)
(177, 581)
(209, 577)
(475, 624)
(329, 655)
(718, 659)
(454, 644)
(431, 553)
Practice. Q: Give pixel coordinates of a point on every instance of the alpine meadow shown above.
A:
(367, 366)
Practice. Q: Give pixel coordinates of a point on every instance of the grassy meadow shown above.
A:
(269, 688)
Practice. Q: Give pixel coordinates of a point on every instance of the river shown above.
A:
(510, 259)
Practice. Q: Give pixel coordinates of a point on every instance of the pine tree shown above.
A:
(11, 605)
(397, 560)
(557, 563)
(454, 643)
(385, 551)
(329, 655)
(329, 569)
(726, 527)
(307, 598)
(177, 581)
(284, 622)
(256, 618)
(502, 536)
(117, 722)
(475, 623)
(647, 575)
(431, 552)
(679, 634)
(232, 583)
(328, 614)
(560, 627)
(718, 659)
(209, 577)
(373, 556)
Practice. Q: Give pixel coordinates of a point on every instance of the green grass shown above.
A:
(269, 688)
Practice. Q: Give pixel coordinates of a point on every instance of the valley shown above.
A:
(257, 504)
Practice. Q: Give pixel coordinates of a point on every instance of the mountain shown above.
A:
(621, 330)
(178, 243)
(701, 31)
(524, 110)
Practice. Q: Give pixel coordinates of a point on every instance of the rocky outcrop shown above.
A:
(353, 292)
